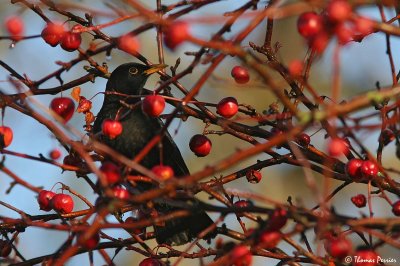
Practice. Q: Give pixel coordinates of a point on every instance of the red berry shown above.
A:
(303, 139)
(241, 256)
(90, 243)
(295, 68)
(240, 74)
(319, 42)
(15, 27)
(365, 257)
(200, 145)
(6, 136)
(55, 154)
(150, 262)
(364, 25)
(129, 43)
(396, 208)
(111, 171)
(111, 128)
(53, 33)
(64, 107)
(44, 199)
(277, 219)
(369, 169)
(121, 193)
(62, 203)
(353, 169)
(338, 10)
(269, 239)
(343, 33)
(227, 107)
(241, 204)
(359, 200)
(5, 248)
(153, 105)
(164, 172)
(309, 24)
(253, 176)
(176, 34)
(338, 147)
(339, 247)
(70, 41)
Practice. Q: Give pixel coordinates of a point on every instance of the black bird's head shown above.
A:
(130, 78)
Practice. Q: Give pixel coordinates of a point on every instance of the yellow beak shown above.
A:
(154, 68)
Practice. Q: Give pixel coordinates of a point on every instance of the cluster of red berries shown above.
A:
(55, 33)
(335, 20)
(339, 247)
(360, 170)
(268, 239)
(60, 202)
(113, 175)
(152, 105)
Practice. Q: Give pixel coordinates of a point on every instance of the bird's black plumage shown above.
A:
(138, 130)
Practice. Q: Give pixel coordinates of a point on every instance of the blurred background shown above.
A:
(362, 65)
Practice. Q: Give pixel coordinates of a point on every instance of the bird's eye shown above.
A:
(133, 71)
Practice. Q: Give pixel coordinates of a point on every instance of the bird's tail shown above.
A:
(181, 230)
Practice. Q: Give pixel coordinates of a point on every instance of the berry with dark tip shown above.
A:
(353, 169)
(44, 199)
(200, 145)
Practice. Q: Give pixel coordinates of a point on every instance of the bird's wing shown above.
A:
(172, 155)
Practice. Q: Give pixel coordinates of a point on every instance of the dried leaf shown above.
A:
(76, 92)
(89, 118)
(84, 105)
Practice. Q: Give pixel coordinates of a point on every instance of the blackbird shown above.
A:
(138, 130)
